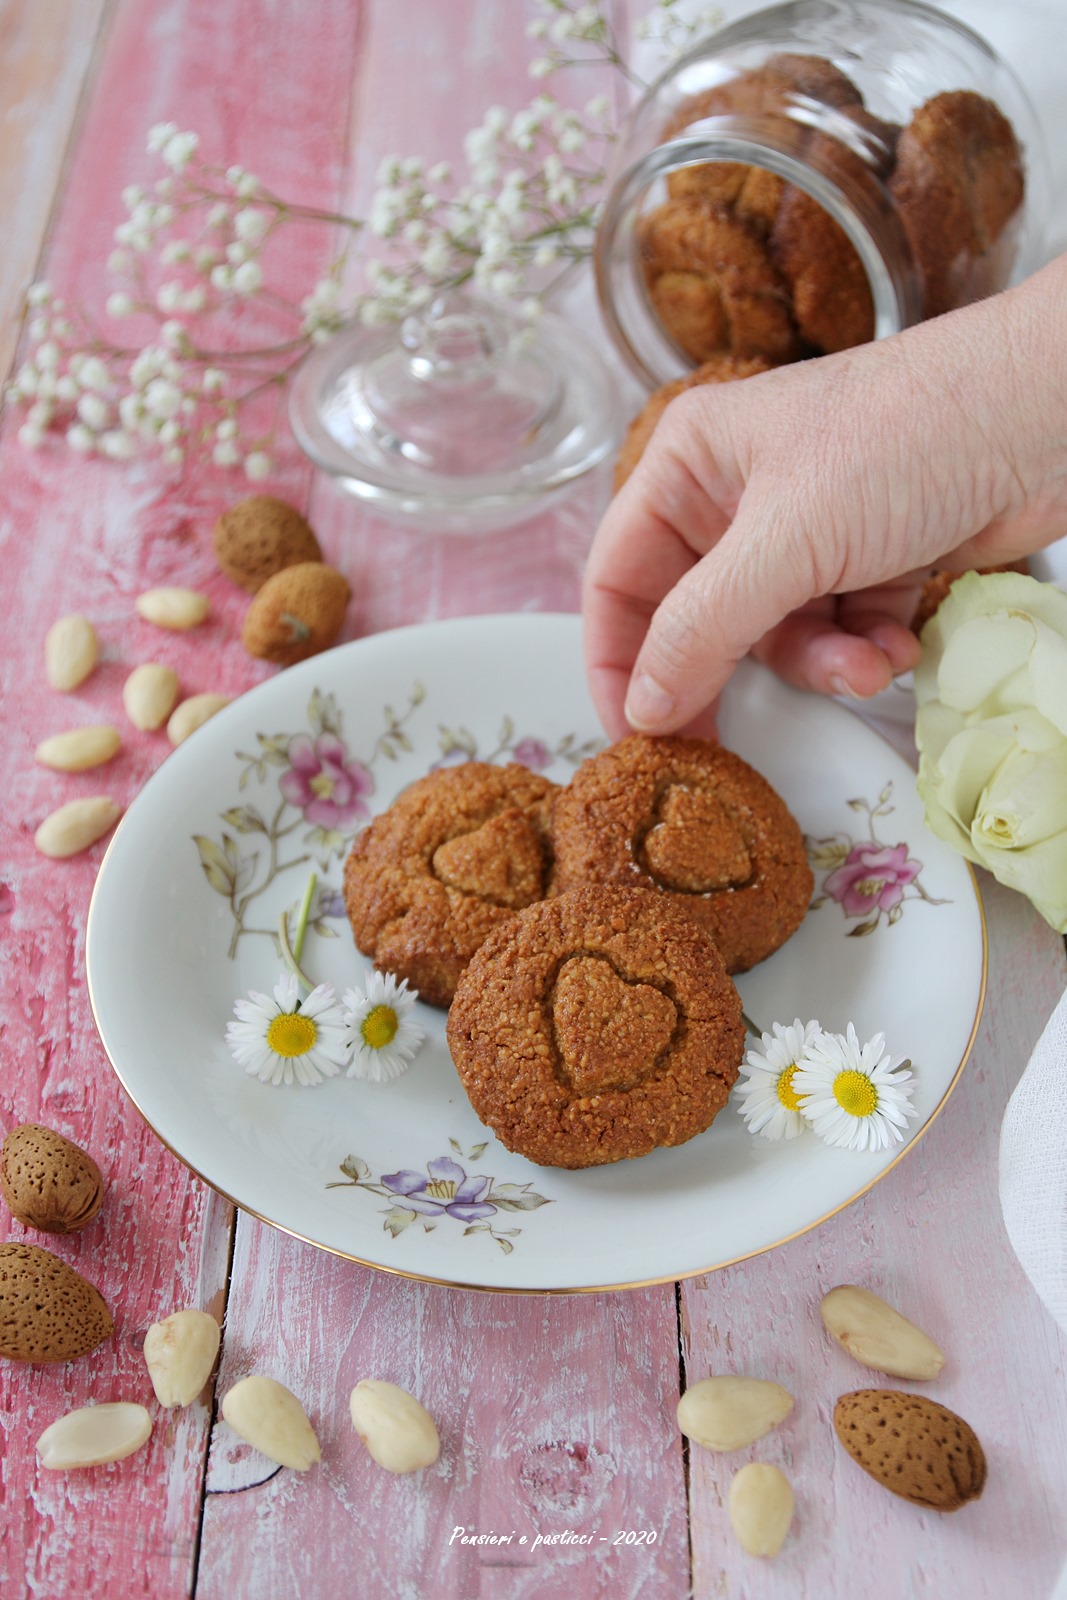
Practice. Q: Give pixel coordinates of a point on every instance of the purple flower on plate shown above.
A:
(533, 753)
(872, 877)
(447, 1188)
(324, 783)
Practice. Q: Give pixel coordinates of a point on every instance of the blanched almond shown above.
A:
(79, 749)
(173, 608)
(726, 1413)
(399, 1432)
(877, 1336)
(150, 694)
(71, 650)
(77, 825)
(94, 1434)
(269, 1417)
(192, 714)
(761, 1508)
(180, 1352)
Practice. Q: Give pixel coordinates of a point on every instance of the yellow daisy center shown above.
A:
(379, 1026)
(855, 1093)
(784, 1088)
(292, 1034)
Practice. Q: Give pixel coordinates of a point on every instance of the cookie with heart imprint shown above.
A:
(913, 1446)
(696, 824)
(457, 853)
(596, 1026)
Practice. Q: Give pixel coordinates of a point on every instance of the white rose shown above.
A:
(992, 731)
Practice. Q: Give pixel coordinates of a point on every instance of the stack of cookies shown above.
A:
(583, 936)
(740, 262)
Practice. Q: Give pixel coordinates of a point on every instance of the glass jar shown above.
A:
(815, 175)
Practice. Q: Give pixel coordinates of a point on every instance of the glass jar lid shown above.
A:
(464, 418)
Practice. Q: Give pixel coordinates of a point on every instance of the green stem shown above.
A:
(287, 954)
(757, 1033)
(302, 916)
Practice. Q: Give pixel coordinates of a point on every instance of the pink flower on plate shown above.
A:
(872, 877)
(326, 786)
(533, 753)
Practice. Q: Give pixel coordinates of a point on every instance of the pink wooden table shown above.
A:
(556, 1413)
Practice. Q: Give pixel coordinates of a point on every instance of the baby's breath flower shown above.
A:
(257, 465)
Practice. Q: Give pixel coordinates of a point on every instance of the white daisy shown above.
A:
(767, 1094)
(382, 1034)
(855, 1096)
(284, 1040)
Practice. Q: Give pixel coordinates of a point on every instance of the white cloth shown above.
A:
(1033, 1167)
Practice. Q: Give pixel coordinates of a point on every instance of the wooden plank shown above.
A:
(46, 47)
(82, 536)
(930, 1239)
(555, 1415)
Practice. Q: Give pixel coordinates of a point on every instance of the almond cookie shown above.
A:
(720, 369)
(259, 536)
(713, 285)
(696, 823)
(957, 184)
(596, 1027)
(458, 852)
(753, 193)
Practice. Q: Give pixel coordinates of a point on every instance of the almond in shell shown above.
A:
(49, 1182)
(912, 1446)
(48, 1312)
(258, 537)
(297, 613)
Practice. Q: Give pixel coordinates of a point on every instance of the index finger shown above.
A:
(652, 534)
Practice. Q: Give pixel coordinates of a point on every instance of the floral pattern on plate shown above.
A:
(444, 1189)
(866, 877)
(311, 781)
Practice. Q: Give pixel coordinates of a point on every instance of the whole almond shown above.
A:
(298, 612)
(71, 651)
(269, 1417)
(192, 714)
(76, 826)
(173, 608)
(760, 1505)
(79, 749)
(150, 694)
(49, 1182)
(180, 1352)
(399, 1432)
(48, 1312)
(729, 1412)
(912, 1446)
(93, 1435)
(877, 1336)
(259, 536)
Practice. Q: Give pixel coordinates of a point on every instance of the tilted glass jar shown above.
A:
(814, 175)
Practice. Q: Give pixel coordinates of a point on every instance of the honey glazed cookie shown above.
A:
(698, 824)
(595, 1027)
(457, 853)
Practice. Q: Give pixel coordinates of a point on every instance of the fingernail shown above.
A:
(842, 686)
(648, 705)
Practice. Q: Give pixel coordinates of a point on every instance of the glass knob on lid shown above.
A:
(463, 419)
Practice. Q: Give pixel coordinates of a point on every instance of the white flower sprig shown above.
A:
(852, 1095)
(195, 248)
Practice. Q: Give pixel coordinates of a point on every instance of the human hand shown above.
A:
(796, 513)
